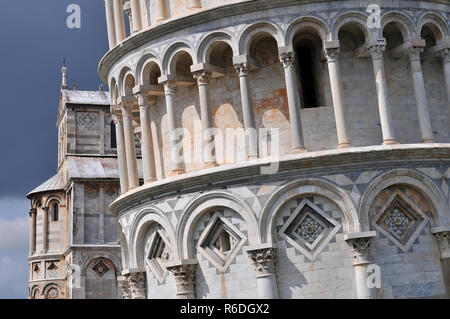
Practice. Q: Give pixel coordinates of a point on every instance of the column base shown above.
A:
(428, 140)
(299, 150)
(390, 142)
(344, 145)
(254, 157)
(159, 20)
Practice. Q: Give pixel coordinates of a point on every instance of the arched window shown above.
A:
(55, 212)
(113, 135)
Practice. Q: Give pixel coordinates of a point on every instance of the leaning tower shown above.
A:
(290, 149)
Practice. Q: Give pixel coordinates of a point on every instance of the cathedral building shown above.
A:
(265, 149)
(74, 243)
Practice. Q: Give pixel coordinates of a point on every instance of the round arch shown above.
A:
(307, 23)
(144, 61)
(440, 29)
(122, 76)
(35, 291)
(246, 37)
(301, 188)
(139, 227)
(172, 52)
(354, 17)
(403, 22)
(206, 202)
(48, 287)
(104, 255)
(51, 199)
(209, 40)
(413, 179)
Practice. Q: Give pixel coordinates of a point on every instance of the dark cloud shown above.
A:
(34, 41)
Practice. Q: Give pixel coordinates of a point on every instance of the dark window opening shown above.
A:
(113, 135)
(307, 77)
(55, 214)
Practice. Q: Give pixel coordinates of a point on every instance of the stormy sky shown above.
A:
(34, 41)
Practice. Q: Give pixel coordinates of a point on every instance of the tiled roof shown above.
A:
(94, 167)
(86, 97)
(54, 183)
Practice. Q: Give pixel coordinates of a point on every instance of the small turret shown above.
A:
(64, 76)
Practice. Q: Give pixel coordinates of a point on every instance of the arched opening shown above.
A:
(221, 54)
(310, 66)
(55, 212)
(150, 74)
(128, 84)
(393, 35)
(113, 135)
(100, 279)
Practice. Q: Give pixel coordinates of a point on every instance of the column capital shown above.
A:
(169, 87)
(263, 259)
(360, 244)
(32, 212)
(137, 285)
(244, 63)
(124, 286)
(332, 54)
(442, 235)
(414, 52)
(287, 59)
(376, 48)
(444, 54)
(184, 273)
(127, 103)
(202, 77)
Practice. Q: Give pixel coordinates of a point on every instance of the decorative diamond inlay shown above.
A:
(101, 269)
(52, 269)
(400, 220)
(159, 254)
(88, 120)
(220, 241)
(309, 229)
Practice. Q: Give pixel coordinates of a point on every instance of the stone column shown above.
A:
(161, 10)
(288, 61)
(360, 245)
(445, 55)
(442, 235)
(121, 153)
(264, 260)
(247, 110)
(194, 4)
(332, 52)
(148, 154)
(137, 285)
(420, 93)
(202, 78)
(136, 14)
(184, 273)
(32, 213)
(119, 21)
(376, 51)
(177, 162)
(130, 147)
(45, 230)
(109, 8)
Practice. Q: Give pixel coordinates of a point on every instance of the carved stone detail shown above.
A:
(185, 277)
(360, 249)
(414, 53)
(169, 87)
(287, 59)
(443, 239)
(264, 261)
(332, 54)
(376, 51)
(137, 285)
(242, 69)
(444, 54)
(202, 77)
